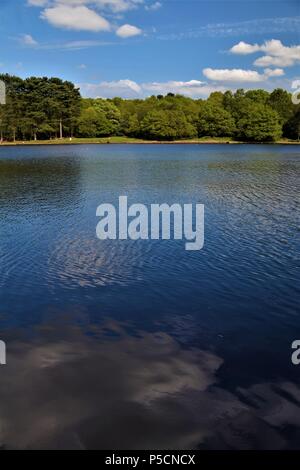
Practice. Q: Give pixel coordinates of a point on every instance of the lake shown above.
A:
(123, 344)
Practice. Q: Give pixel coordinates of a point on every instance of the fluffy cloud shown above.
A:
(127, 31)
(116, 6)
(79, 18)
(240, 75)
(27, 40)
(282, 61)
(232, 75)
(273, 73)
(276, 53)
(85, 15)
(192, 88)
(123, 88)
(243, 48)
(131, 89)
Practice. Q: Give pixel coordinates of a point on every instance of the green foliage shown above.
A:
(98, 118)
(292, 126)
(109, 117)
(130, 125)
(167, 125)
(87, 124)
(36, 107)
(214, 120)
(258, 96)
(258, 123)
(43, 108)
(281, 101)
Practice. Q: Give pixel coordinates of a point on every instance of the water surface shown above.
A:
(132, 345)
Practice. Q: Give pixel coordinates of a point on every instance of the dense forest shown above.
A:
(49, 108)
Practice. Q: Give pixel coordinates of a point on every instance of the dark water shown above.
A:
(143, 345)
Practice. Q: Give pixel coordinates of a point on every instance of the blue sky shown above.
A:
(135, 48)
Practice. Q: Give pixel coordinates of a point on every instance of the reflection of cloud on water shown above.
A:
(111, 390)
(82, 390)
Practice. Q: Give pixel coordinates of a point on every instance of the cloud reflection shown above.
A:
(114, 390)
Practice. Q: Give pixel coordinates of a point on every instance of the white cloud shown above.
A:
(283, 61)
(116, 6)
(273, 72)
(276, 53)
(191, 88)
(79, 18)
(240, 75)
(130, 89)
(232, 75)
(243, 48)
(84, 15)
(153, 7)
(127, 31)
(28, 40)
(124, 88)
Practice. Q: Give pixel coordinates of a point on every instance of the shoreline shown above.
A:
(129, 141)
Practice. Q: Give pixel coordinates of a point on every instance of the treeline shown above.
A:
(38, 108)
(48, 108)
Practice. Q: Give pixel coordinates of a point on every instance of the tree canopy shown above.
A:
(46, 108)
(38, 107)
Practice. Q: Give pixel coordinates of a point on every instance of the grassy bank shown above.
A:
(128, 140)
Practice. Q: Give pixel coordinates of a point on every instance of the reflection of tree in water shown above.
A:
(39, 182)
(114, 390)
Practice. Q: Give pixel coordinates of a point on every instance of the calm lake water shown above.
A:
(143, 345)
